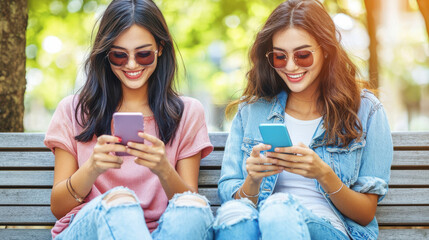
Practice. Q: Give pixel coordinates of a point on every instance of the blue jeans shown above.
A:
(181, 220)
(279, 217)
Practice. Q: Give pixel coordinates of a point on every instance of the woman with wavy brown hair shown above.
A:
(327, 185)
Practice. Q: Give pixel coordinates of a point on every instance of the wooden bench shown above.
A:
(26, 176)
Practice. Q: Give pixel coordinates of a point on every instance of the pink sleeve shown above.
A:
(60, 133)
(194, 135)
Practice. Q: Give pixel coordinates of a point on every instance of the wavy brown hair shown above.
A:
(339, 98)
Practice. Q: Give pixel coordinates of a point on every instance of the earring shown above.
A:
(326, 55)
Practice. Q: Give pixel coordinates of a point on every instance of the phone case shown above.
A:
(126, 125)
(275, 135)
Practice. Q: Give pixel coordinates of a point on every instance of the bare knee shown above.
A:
(119, 197)
(190, 200)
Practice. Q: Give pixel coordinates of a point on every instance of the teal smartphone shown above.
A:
(275, 134)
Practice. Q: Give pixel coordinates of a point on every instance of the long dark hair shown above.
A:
(102, 92)
(339, 98)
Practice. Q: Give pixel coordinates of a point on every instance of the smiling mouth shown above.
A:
(133, 75)
(295, 77)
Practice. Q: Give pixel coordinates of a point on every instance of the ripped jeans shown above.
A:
(279, 217)
(117, 214)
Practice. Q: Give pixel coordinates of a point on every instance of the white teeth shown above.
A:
(134, 73)
(295, 76)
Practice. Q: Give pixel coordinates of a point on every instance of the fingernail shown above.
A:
(119, 139)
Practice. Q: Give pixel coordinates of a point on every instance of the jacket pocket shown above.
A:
(346, 160)
(247, 147)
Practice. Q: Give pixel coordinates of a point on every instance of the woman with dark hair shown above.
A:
(152, 193)
(327, 185)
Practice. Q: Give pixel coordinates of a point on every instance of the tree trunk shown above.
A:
(13, 23)
(424, 9)
(372, 17)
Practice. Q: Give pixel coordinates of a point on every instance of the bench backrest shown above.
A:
(26, 176)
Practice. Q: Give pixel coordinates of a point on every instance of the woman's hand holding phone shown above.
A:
(151, 156)
(258, 166)
(301, 160)
(298, 159)
(102, 158)
(130, 126)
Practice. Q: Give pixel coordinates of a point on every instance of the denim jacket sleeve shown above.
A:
(377, 155)
(232, 176)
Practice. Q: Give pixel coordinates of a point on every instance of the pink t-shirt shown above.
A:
(191, 137)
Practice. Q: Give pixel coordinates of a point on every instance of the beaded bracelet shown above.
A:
(332, 193)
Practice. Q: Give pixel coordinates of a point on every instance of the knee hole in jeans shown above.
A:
(235, 211)
(119, 197)
(190, 200)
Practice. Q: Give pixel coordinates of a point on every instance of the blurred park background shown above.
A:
(387, 39)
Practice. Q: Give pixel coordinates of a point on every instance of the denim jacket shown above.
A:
(363, 165)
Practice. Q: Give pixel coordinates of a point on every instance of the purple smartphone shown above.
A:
(126, 125)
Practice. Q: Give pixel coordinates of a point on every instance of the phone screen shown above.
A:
(126, 125)
(275, 134)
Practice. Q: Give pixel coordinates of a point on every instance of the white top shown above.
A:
(304, 189)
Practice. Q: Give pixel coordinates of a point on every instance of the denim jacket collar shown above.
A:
(278, 106)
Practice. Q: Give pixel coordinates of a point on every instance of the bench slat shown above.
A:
(395, 234)
(409, 178)
(395, 196)
(47, 159)
(386, 215)
(214, 159)
(42, 196)
(27, 159)
(44, 178)
(409, 159)
(406, 196)
(37, 196)
(385, 234)
(410, 139)
(25, 234)
(26, 215)
(23, 196)
(218, 139)
(35, 140)
(26, 178)
(22, 140)
(403, 215)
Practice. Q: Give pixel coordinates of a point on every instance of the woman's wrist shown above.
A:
(165, 172)
(251, 186)
(89, 170)
(326, 175)
(330, 182)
